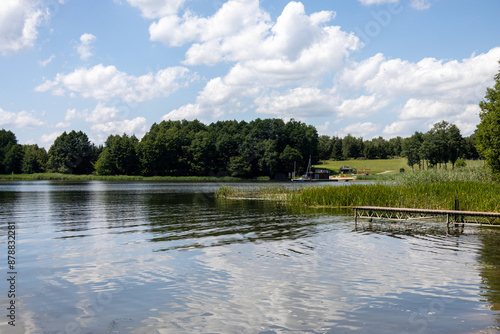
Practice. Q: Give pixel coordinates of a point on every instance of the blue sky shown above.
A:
(365, 67)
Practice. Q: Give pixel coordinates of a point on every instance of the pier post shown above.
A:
(458, 219)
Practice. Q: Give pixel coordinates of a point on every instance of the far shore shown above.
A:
(72, 177)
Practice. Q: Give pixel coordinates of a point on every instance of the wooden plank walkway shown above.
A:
(452, 216)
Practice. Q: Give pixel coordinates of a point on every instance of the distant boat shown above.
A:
(322, 175)
(318, 175)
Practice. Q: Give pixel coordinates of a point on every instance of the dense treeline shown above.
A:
(350, 147)
(440, 145)
(268, 147)
(15, 158)
(259, 148)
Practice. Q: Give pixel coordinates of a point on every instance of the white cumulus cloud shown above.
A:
(19, 24)
(105, 120)
(363, 106)
(453, 80)
(420, 4)
(230, 34)
(20, 119)
(298, 102)
(47, 61)
(422, 93)
(359, 129)
(106, 82)
(48, 139)
(376, 2)
(297, 50)
(157, 8)
(129, 126)
(415, 109)
(84, 49)
(416, 4)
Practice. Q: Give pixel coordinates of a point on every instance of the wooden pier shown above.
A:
(333, 179)
(452, 216)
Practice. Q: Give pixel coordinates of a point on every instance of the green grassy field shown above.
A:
(377, 166)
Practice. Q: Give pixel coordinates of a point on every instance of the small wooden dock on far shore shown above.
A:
(331, 179)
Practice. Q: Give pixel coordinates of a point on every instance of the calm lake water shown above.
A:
(112, 257)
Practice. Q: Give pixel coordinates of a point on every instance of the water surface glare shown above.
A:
(139, 257)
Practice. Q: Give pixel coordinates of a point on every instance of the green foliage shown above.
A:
(225, 148)
(336, 149)
(119, 157)
(13, 159)
(34, 159)
(267, 148)
(104, 165)
(395, 146)
(325, 147)
(238, 166)
(352, 147)
(460, 163)
(202, 153)
(11, 153)
(455, 144)
(440, 145)
(290, 157)
(412, 149)
(72, 153)
(488, 130)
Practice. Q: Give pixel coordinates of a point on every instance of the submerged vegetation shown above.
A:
(427, 190)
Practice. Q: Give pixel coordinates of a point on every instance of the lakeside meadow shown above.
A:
(430, 189)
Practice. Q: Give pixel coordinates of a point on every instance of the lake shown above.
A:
(139, 257)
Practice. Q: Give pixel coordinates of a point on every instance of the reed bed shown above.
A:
(272, 192)
(474, 175)
(473, 196)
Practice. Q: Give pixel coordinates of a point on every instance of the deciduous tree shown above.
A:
(72, 153)
(488, 130)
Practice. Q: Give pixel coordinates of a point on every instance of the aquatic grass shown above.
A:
(473, 196)
(474, 175)
(275, 192)
(225, 191)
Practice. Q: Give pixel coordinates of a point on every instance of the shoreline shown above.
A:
(131, 178)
